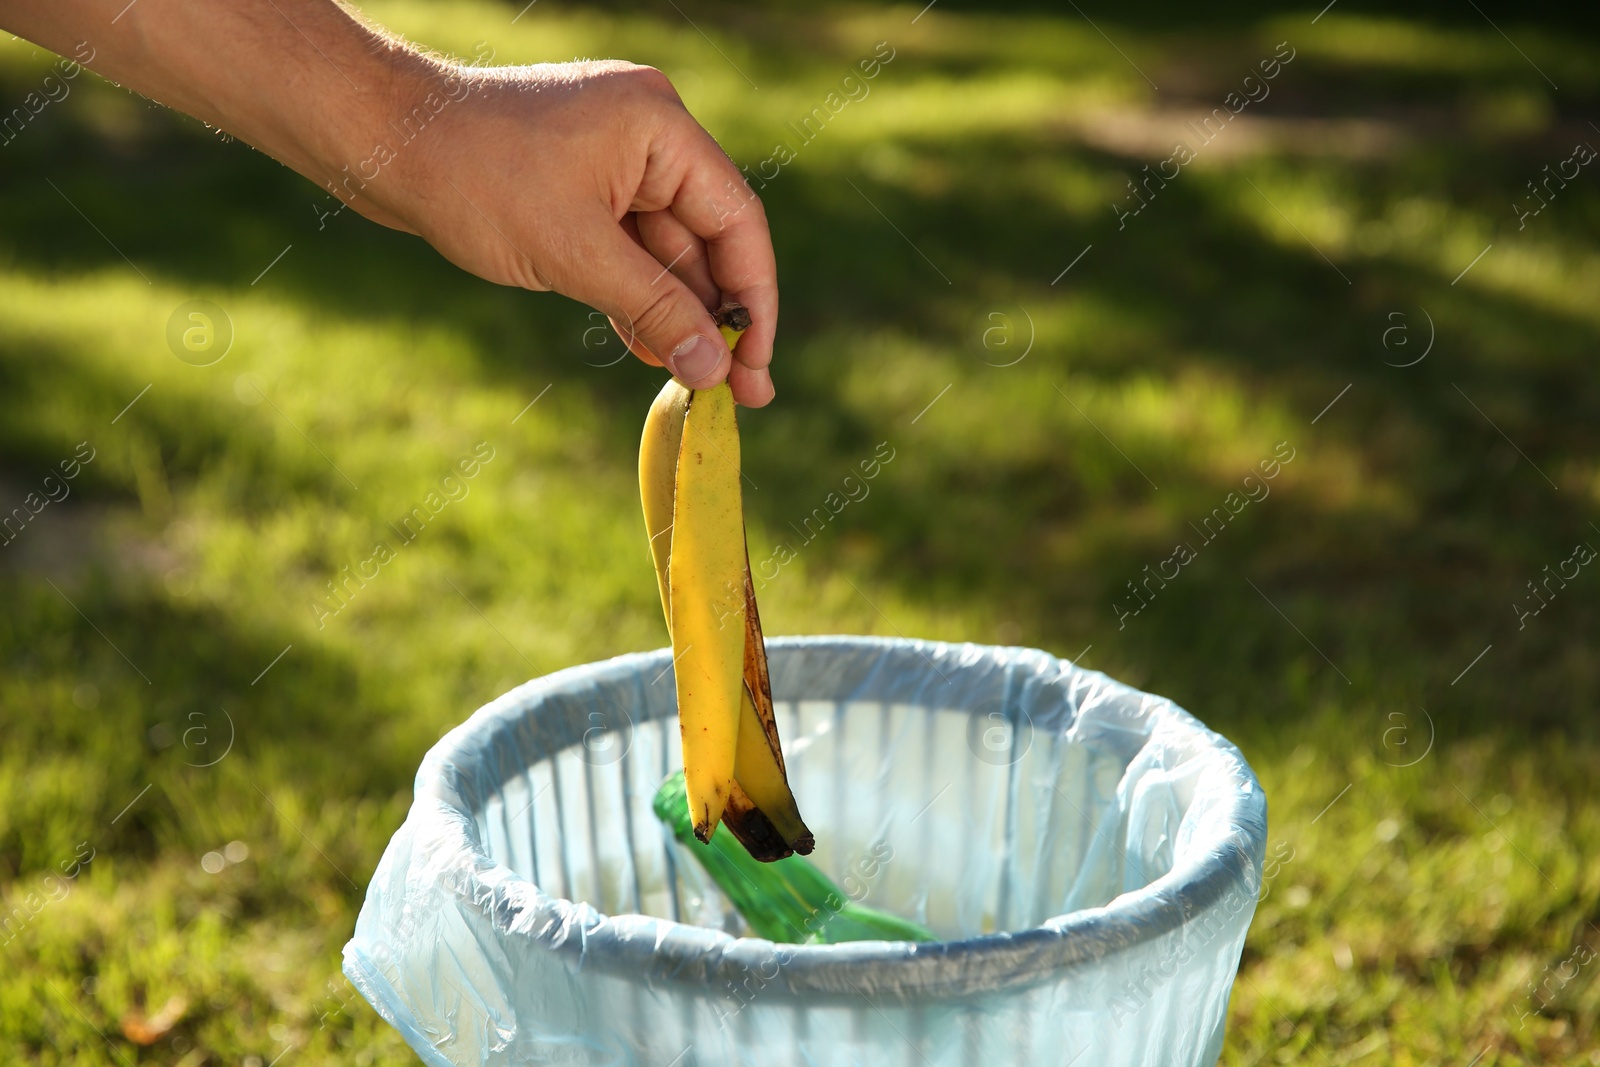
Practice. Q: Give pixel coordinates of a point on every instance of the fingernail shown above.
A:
(695, 358)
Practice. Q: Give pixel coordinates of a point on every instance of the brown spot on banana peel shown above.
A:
(756, 675)
(754, 828)
(750, 825)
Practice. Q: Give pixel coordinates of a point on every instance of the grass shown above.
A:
(1428, 903)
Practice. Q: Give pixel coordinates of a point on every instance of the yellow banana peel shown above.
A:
(690, 488)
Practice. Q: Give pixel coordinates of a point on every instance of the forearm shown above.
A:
(302, 80)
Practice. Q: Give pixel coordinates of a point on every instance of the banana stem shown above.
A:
(733, 319)
(733, 315)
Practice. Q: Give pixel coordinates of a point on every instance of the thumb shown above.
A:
(655, 313)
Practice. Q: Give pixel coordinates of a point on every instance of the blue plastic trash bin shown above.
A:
(1091, 855)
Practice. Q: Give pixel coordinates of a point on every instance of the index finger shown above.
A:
(714, 200)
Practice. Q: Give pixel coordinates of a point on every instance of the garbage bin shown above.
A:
(1089, 854)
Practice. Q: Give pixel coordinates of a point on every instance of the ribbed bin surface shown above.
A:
(1091, 853)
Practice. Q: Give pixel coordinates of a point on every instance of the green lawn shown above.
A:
(1427, 903)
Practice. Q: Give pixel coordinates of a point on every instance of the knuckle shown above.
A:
(636, 78)
(742, 205)
(653, 80)
(653, 316)
(753, 204)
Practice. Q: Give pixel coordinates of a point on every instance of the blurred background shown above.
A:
(1075, 346)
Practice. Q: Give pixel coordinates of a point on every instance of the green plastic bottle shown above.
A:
(788, 901)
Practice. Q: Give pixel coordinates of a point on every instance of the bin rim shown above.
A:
(1219, 868)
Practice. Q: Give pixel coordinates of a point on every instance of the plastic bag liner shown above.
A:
(1091, 854)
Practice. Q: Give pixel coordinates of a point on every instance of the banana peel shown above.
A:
(690, 488)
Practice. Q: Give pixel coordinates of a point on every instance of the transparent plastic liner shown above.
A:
(1091, 853)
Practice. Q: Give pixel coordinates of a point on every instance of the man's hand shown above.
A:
(590, 179)
(593, 180)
